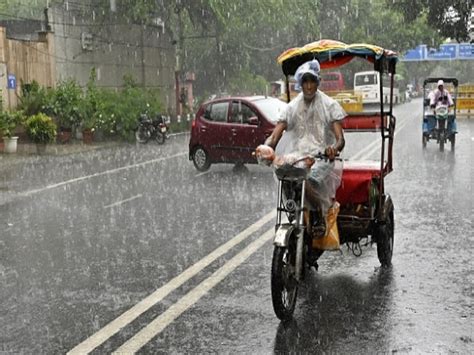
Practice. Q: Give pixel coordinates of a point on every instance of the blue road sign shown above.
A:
(466, 50)
(11, 81)
(417, 54)
(446, 51)
(452, 51)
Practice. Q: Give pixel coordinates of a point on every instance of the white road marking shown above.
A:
(126, 318)
(204, 173)
(107, 172)
(123, 201)
(163, 320)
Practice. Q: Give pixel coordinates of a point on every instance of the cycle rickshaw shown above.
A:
(366, 209)
(439, 123)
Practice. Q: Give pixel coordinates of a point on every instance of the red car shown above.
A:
(228, 130)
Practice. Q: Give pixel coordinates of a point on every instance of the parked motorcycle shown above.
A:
(148, 128)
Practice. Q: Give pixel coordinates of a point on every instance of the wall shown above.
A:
(114, 49)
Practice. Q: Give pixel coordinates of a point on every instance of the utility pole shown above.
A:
(143, 55)
(179, 56)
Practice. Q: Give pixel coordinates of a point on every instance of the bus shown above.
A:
(332, 81)
(367, 83)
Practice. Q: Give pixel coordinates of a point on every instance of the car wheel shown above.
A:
(201, 159)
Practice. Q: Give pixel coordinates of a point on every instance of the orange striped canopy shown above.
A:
(332, 54)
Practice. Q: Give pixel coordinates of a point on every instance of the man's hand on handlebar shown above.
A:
(331, 153)
(264, 154)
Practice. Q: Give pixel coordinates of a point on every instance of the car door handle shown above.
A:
(234, 131)
(203, 128)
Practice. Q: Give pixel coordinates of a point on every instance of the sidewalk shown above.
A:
(26, 151)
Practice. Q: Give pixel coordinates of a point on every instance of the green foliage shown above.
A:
(9, 120)
(131, 102)
(93, 108)
(117, 112)
(246, 83)
(449, 18)
(218, 39)
(65, 104)
(34, 98)
(41, 129)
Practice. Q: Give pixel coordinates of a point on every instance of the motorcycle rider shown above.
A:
(312, 124)
(440, 96)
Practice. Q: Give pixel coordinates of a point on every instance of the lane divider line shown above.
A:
(130, 315)
(201, 174)
(123, 201)
(163, 320)
(107, 172)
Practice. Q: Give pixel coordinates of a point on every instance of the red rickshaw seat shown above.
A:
(356, 178)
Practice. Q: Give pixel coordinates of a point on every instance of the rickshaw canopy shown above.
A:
(332, 54)
(454, 81)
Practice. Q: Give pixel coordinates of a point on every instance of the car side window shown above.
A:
(241, 113)
(218, 112)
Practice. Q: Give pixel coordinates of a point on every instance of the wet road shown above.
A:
(131, 249)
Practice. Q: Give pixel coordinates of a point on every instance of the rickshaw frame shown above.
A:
(337, 54)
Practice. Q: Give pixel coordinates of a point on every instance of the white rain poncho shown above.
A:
(309, 132)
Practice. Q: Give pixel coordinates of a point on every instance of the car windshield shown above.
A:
(367, 79)
(272, 108)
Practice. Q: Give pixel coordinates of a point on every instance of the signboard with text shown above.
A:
(11, 81)
(451, 51)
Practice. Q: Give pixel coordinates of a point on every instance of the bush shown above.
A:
(65, 104)
(117, 112)
(41, 129)
(9, 120)
(34, 99)
(246, 83)
(132, 101)
(114, 112)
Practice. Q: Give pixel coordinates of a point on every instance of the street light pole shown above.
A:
(179, 55)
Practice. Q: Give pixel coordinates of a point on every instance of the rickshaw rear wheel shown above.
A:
(283, 281)
(385, 236)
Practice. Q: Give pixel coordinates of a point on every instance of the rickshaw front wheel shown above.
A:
(385, 236)
(284, 286)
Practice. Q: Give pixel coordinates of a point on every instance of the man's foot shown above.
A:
(313, 258)
(319, 231)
